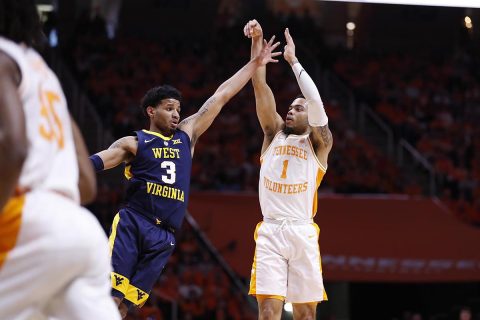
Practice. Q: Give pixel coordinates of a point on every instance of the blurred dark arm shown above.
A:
(13, 139)
(87, 181)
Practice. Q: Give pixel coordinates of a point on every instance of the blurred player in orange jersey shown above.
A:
(286, 264)
(53, 253)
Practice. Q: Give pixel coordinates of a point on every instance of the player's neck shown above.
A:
(165, 132)
(289, 131)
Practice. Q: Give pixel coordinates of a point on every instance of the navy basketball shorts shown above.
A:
(139, 251)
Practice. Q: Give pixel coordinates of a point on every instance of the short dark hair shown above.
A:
(19, 22)
(299, 96)
(154, 96)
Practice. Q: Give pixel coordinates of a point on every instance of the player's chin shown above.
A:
(173, 126)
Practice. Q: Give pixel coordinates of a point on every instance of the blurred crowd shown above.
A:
(457, 313)
(118, 72)
(433, 102)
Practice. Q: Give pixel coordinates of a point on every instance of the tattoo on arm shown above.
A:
(326, 135)
(122, 143)
(200, 112)
(116, 144)
(204, 108)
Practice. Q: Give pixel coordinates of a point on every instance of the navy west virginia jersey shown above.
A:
(159, 177)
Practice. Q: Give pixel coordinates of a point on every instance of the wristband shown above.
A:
(97, 162)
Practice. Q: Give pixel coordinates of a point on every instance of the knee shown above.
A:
(268, 313)
(123, 309)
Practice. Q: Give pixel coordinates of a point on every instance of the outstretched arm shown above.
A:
(122, 150)
(270, 121)
(13, 139)
(197, 123)
(317, 118)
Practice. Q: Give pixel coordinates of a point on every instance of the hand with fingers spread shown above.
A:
(289, 50)
(267, 55)
(253, 29)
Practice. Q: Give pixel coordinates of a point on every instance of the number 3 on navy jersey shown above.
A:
(170, 177)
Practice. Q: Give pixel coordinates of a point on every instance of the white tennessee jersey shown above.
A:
(51, 162)
(289, 178)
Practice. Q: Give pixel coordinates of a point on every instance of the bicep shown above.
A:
(322, 136)
(122, 150)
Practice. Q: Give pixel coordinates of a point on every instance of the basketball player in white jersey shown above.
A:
(287, 265)
(54, 259)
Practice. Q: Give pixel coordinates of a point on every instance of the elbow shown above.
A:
(222, 97)
(15, 151)
(88, 191)
(88, 198)
(87, 183)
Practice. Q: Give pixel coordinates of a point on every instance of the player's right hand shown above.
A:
(253, 29)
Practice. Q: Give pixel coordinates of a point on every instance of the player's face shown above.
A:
(296, 119)
(166, 115)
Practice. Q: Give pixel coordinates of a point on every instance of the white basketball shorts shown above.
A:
(54, 261)
(287, 262)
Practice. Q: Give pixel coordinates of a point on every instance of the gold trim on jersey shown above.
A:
(320, 175)
(10, 223)
(119, 282)
(136, 296)
(325, 297)
(315, 156)
(253, 279)
(158, 134)
(113, 234)
(128, 173)
(261, 297)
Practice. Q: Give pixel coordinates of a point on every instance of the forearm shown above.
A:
(87, 182)
(110, 158)
(317, 116)
(11, 162)
(259, 76)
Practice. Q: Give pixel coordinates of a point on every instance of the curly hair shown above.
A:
(155, 95)
(20, 22)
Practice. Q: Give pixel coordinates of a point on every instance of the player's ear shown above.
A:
(150, 111)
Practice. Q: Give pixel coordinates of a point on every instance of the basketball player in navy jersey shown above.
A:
(157, 167)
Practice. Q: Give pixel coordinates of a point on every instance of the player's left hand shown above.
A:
(289, 50)
(267, 55)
